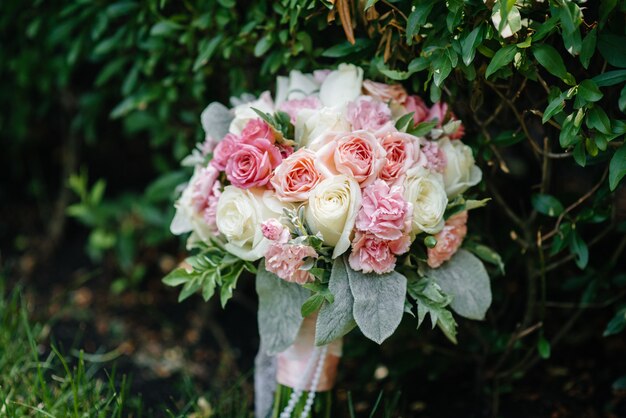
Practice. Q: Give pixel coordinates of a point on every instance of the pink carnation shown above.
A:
(440, 112)
(285, 261)
(385, 92)
(449, 239)
(273, 230)
(224, 150)
(371, 254)
(292, 107)
(252, 163)
(402, 152)
(256, 128)
(384, 212)
(435, 158)
(367, 113)
(416, 105)
(206, 192)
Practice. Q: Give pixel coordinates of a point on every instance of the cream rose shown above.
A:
(313, 124)
(244, 112)
(341, 86)
(332, 209)
(295, 87)
(425, 191)
(461, 173)
(240, 214)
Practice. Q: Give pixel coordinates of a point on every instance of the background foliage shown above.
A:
(98, 99)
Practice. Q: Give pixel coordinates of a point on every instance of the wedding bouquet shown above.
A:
(347, 198)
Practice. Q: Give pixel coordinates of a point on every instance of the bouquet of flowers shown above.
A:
(347, 198)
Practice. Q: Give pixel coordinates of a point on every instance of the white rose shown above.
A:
(244, 112)
(461, 173)
(239, 217)
(296, 86)
(425, 191)
(187, 219)
(332, 209)
(313, 124)
(341, 86)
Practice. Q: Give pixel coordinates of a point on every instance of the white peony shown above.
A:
(187, 219)
(295, 87)
(425, 191)
(313, 124)
(239, 217)
(244, 112)
(461, 173)
(341, 86)
(332, 209)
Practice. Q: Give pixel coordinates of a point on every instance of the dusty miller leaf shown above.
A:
(216, 120)
(465, 279)
(279, 310)
(335, 319)
(378, 302)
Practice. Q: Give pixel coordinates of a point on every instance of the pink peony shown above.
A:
(296, 176)
(449, 239)
(358, 155)
(292, 107)
(435, 158)
(256, 128)
(402, 152)
(367, 113)
(224, 150)
(252, 164)
(385, 92)
(285, 261)
(370, 253)
(384, 212)
(416, 105)
(273, 230)
(206, 192)
(440, 112)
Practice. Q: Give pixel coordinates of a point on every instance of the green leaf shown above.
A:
(589, 91)
(346, 48)
(545, 28)
(418, 18)
(442, 66)
(369, 4)
(469, 44)
(617, 324)
(189, 288)
(543, 347)
(263, 45)
(403, 122)
(597, 119)
(612, 49)
(547, 204)
(422, 129)
(432, 301)
(206, 51)
(588, 48)
(579, 154)
(336, 319)
(177, 277)
(501, 58)
(486, 254)
(279, 314)
(621, 102)
(378, 302)
(610, 78)
(578, 247)
(554, 107)
(465, 279)
(312, 304)
(617, 167)
(550, 59)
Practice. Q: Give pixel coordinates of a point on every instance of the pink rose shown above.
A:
(370, 253)
(296, 176)
(385, 92)
(435, 158)
(402, 152)
(224, 150)
(440, 112)
(252, 164)
(384, 212)
(206, 192)
(358, 155)
(367, 113)
(256, 128)
(292, 107)
(285, 261)
(273, 230)
(449, 239)
(416, 105)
